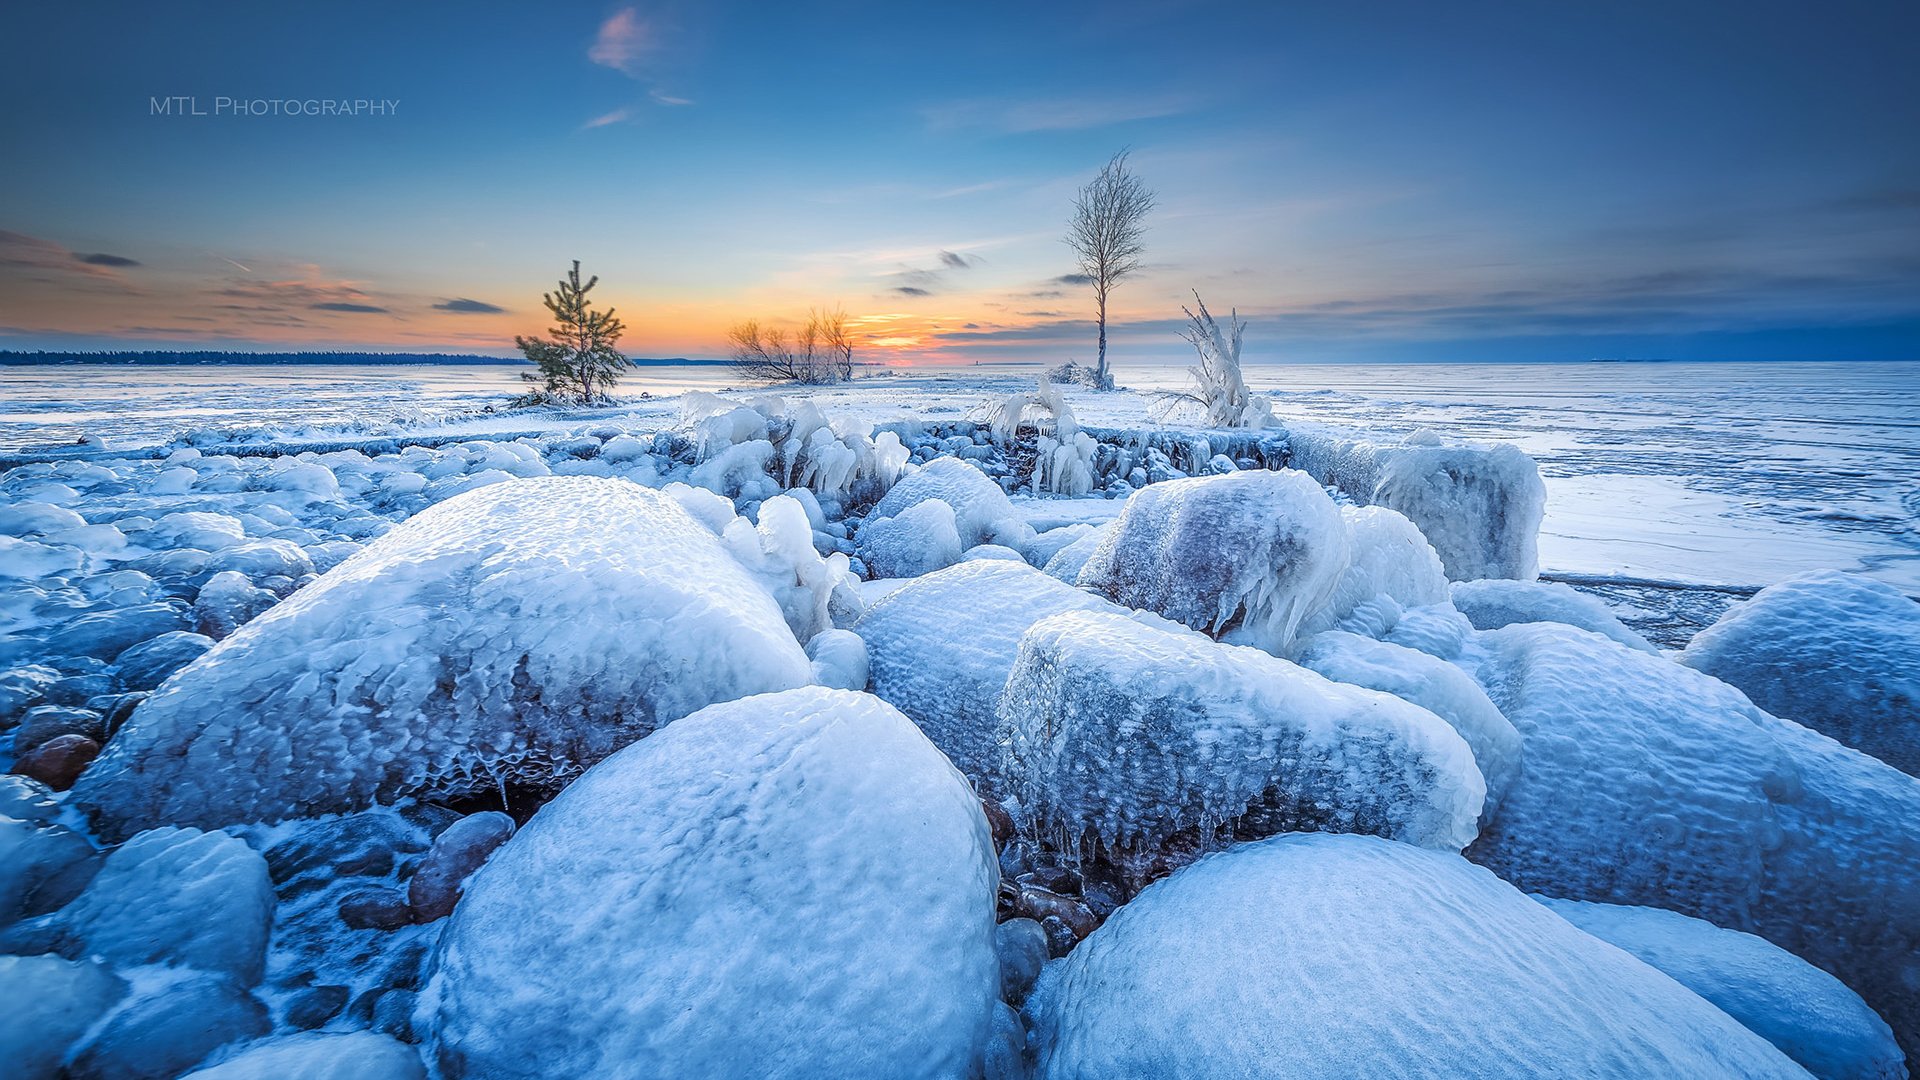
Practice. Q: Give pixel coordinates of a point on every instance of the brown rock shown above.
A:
(59, 761)
(456, 853)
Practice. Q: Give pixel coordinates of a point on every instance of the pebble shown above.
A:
(43, 723)
(59, 761)
(313, 1007)
(375, 908)
(456, 853)
(1024, 949)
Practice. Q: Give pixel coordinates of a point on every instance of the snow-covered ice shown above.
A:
(1493, 603)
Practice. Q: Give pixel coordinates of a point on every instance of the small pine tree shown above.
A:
(579, 362)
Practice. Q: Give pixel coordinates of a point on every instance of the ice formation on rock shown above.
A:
(1323, 955)
(794, 884)
(1810, 1015)
(1246, 556)
(1494, 603)
(513, 635)
(940, 649)
(51, 1004)
(350, 1055)
(1390, 568)
(1835, 651)
(982, 512)
(1648, 783)
(918, 540)
(1146, 746)
(1479, 506)
(1434, 685)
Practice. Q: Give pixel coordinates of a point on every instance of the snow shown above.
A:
(940, 649)
(982, 512)
(1648, 783)
(1494, 603)
(918, 540)
(1322, 955)
(839, 659)
(1390, 567)
(1810, 1015)
(1147, 745)
(352, 1055)
(472, 647)
(1246, 556)
(787, 885)
(1835, 651)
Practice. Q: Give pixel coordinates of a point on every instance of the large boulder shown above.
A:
(1838, 652)
(1648, 783)
(1390, 568)
(794, 884)
(982, 512)
(940, 649)
(1325, 955)
(510, 636)
(1810, 1015)
(1145, 746)
(1497, 602)
(51, 1003)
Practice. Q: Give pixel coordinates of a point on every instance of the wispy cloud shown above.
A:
(18, 252)
(1017, 117)
(953, 260)
(361, 309)
(668, 99)
(101, 258)
(911, 290)
(615, 117)
(469, 307)
(623, 42)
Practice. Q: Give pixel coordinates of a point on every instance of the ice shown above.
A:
(147, 665)
(351, 1055)
(941, 647)
(1067, 563)
(779, 550)
(51, 1003)
(839, 659)
(918, 540)
(982, 512)
(1648, 783)
(1044, 546)
(513, 635)
(1245, 557)
(30, 518)
(1480, 506)
(179, 897)
(170, 1024)
(788, 885)
(1432, 684)
(1835, 651)
(1323, 955)
(1390, 567)
(31, 560)
(227, 602)
(1495, 603)
(1810, 1015)
(1144, 746)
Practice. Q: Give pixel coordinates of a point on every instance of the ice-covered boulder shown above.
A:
(1390, 568)
(918, 540)
(42, 865)
(50, 1004)
(1838, 652)
(1322, 955)
(351, 1055)
(510, 636)
(1480, 506)
(1145, 746)
(941, 647)
(1648, 783)
(982, 512)
(169, 1029)
(1496, 602)
(1066, 563)
(1246, 556)
(1434, 685)
(1810, 1015)
(794, 884)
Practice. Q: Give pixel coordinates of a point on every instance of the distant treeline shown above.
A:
(210, 356)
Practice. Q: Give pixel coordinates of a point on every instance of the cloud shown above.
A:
(48, 261)
(668, 99)
(614, 117)
(623, 41)
(1072, 279)
(469, 307)
(911, 290)
(103, 259)
(956, 261)
(367, 309)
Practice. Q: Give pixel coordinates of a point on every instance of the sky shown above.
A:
(1368, 182)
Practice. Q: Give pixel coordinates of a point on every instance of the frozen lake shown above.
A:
(1735, 474)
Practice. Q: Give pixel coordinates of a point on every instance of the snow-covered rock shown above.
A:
(982, 512)
(1648, 783)
(51, 1003)
(1810, 1015)
(1322, 955)
(513, 635)
(351, 1055)
(1432, 684)
(1480, 506)
(940, 649)
(1066, 563)
(794, 884)
(1838, 652)
(42, 865)
(839, 659)
(918, 540)
(1147, 746)
(1246, 556)
(1495, 602)
(168, 1026)
(1390, 568)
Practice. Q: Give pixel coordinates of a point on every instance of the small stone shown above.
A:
(1060, 939)
(147, 665)
(1054, 878)
(21, 689)
(26, 799)
(456, 853)
(1042, 904)
(1024, 949)
(59, 761)
(44, 723)
(393, 1014)
(313, 1007)
(375, 908)
(999, 821)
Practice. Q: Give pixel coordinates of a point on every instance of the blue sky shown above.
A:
(1386, 181)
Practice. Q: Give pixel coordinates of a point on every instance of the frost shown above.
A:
(982, 512)
(1146, 746)
(1390, 568)
(1320, 955)
(513, 635)
(1837, 652)
(793, 885)
(1495, 603)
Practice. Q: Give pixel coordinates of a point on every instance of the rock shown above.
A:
(463, 652)
(59, 761)
(456, 853)
(21, 689)
(44, 723)
(321, 851)
(106, 634)
(352, 1055)
(1494, 603)
(1060, 937)
(51, 1003)
(793, 884)
(163, 1035)
(181, 897)
(148, 664)
(375, 908)
(227, 602)
(1341, 955)
(1037, 903)
(999, 821)
(25, 799)
(43, 866)
(1007, 1048)
(917, 541)
(313, 1007)
(393, 1014)
(1023, 949)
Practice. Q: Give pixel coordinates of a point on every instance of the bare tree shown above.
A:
(1109, 221)
(821, 351)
